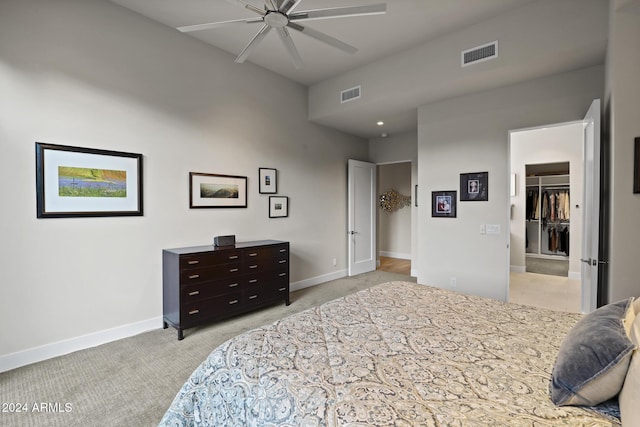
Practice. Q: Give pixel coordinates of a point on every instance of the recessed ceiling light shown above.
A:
(380, 123)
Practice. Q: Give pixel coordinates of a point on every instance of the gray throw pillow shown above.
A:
(593, 359)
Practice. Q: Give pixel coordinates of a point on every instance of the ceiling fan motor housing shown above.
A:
(276, 19)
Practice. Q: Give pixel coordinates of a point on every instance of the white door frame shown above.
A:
(589, 288)
(591, 212)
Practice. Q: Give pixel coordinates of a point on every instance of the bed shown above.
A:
(396, 354)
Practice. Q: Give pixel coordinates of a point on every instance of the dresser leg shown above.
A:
(165, 325)
(180, 335)
(287, 301)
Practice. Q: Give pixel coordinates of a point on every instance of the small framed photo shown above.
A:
(207, 190)
(86, 182)
(268, 181)
(278, 207)
(474, 187)
(443, 204)
(636, 167)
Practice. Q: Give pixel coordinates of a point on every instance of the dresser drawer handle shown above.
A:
(253, 281)
(253, 254)
(233, 257)
(253, 266)
(192, 312)
(194, 276)
(233, 285)
(282, 261)
(233, 270)
(235, 301)
(194, 293)
(283, 250)
(193, 262)
(253, 297)
(282, 289)
(282, 274)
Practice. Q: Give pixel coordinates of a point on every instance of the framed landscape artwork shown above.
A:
(207, 190)
(87, 182)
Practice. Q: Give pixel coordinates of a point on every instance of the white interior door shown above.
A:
(362, 217)
(591, 208)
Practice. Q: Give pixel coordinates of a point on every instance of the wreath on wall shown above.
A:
(391, 201)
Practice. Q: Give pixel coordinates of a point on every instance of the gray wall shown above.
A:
(623, 104)
(89, 73)
(471, 134)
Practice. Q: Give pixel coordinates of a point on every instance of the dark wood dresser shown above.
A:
(206, 283)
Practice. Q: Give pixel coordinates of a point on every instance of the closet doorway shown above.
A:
(394, 236)
(546, 220)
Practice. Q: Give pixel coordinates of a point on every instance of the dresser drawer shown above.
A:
(266, 253)
(211, 272)
(203, 290)
(211, 307)
(203, 259)
(271, 291)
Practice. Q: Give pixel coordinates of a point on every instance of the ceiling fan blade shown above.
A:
(249, 6)
(339, 12)
(325, 38)
(288, 5)
(269, 4)
(199, 27)
(291, 47)
(252, 44)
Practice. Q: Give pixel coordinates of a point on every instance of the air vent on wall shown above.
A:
(350, 94)
(480, 54)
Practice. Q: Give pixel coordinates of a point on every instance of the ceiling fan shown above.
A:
(280, 15)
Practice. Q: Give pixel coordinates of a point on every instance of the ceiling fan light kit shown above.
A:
(280, 15)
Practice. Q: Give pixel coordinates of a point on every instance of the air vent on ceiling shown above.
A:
(350, 94)
(480, 54)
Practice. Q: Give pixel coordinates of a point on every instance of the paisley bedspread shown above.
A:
(397, 354)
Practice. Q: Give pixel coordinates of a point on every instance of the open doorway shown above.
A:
(394, 217)
(546, 218)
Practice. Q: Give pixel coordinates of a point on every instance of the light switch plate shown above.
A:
(493, 228)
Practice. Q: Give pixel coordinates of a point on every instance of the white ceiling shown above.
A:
(406, 25)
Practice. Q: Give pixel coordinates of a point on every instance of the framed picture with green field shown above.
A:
(87, 182)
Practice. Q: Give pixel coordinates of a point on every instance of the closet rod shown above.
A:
(556, 187)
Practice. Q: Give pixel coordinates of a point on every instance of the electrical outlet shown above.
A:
(452, 281)
(335, 262)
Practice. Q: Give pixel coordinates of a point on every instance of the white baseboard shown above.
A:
(398, 255)
(518, 268)
(60, 348)
(414, 272)
(48, 351)
(296, 286)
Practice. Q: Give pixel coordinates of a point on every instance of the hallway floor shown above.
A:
(538, 290)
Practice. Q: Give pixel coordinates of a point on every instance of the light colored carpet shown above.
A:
(132, 382)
